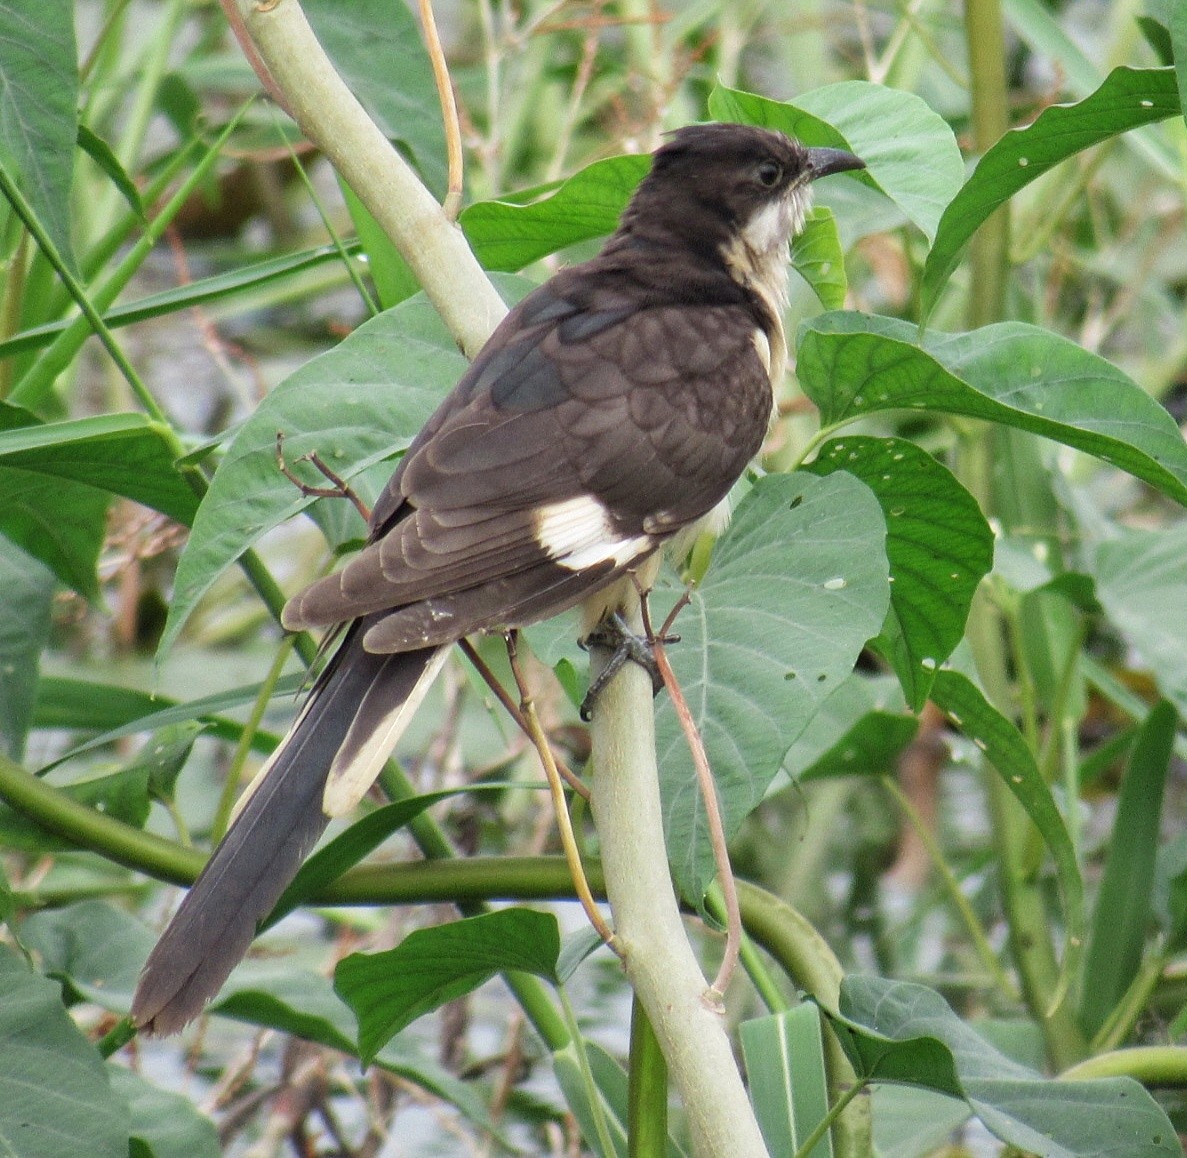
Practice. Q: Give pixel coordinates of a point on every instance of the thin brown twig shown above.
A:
(340, 488)
(453, 134)
(563, 823)
(505, 698)
(708, 789)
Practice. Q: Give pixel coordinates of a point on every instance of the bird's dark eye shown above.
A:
(769, 173)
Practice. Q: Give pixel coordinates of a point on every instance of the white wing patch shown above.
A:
(349, 782)
(577, 533)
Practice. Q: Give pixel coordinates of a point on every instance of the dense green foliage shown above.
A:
(937, 658)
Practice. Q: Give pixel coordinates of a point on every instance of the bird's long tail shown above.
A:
(275, 829)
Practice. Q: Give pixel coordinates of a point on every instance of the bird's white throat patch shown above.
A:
(758, 258)
(577, 533)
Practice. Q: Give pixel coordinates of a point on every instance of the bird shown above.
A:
(606, 419)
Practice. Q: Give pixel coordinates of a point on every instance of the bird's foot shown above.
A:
(615, 636)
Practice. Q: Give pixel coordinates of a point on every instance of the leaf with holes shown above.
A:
(1128, 98)
(798, 584)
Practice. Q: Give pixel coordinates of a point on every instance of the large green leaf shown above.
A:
(55, 1097)
(359, 403)
(900, 1032)
(890, 130)
(1119, 923)
(28, 588)
(612, 1086)
(797, 585)
(94, 948)
(1128, 98)
(860, 730)
(1019, 375)
(377, 47)
(1178, 35)
(39, 109)
(819, 259)
(168, 1124)
(788, 1083)
(1141, 581)
(938, 543)
(388, 991)
(508, 235)
(60, 523)
(364, 836)
(125, 454)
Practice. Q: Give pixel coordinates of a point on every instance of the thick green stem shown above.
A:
(647, 1101)
(989, 255)
(1022, 899)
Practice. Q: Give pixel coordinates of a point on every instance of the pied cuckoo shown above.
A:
(608, 416)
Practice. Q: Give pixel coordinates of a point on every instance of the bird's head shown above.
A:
(736, 193)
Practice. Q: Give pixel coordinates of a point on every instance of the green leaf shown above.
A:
(938, 543)
(39, 109)
(1178, 34)
(388, 991)
(1128, 98)
(1119, 923)
(359, 403)
(86, 706)
(818, 257)
(1022, 376)
(391, 275)
(890, 130)
(901, 1032)
(968, 709)
(24, 628)
(100, 152)
(911, 1122)
(613, 1088)
(60, 523)
(356, 405)
(1157, 37)
(785, 1067)
(377, 48)
(168, 1124)
(797, 585)
(164, 755)
(508, 236)
(96, 949)
(123, 454)
(1139, 577)
(1169, 896)
(300, 1002)
(860, 730)
(55, 1097)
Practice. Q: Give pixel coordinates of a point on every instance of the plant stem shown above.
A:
(657, 956)
(331, 117)
(989, 254)
(647, 1097)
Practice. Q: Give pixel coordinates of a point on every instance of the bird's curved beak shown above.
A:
(826, 161)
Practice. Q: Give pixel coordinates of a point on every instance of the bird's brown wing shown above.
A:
(578, 441)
